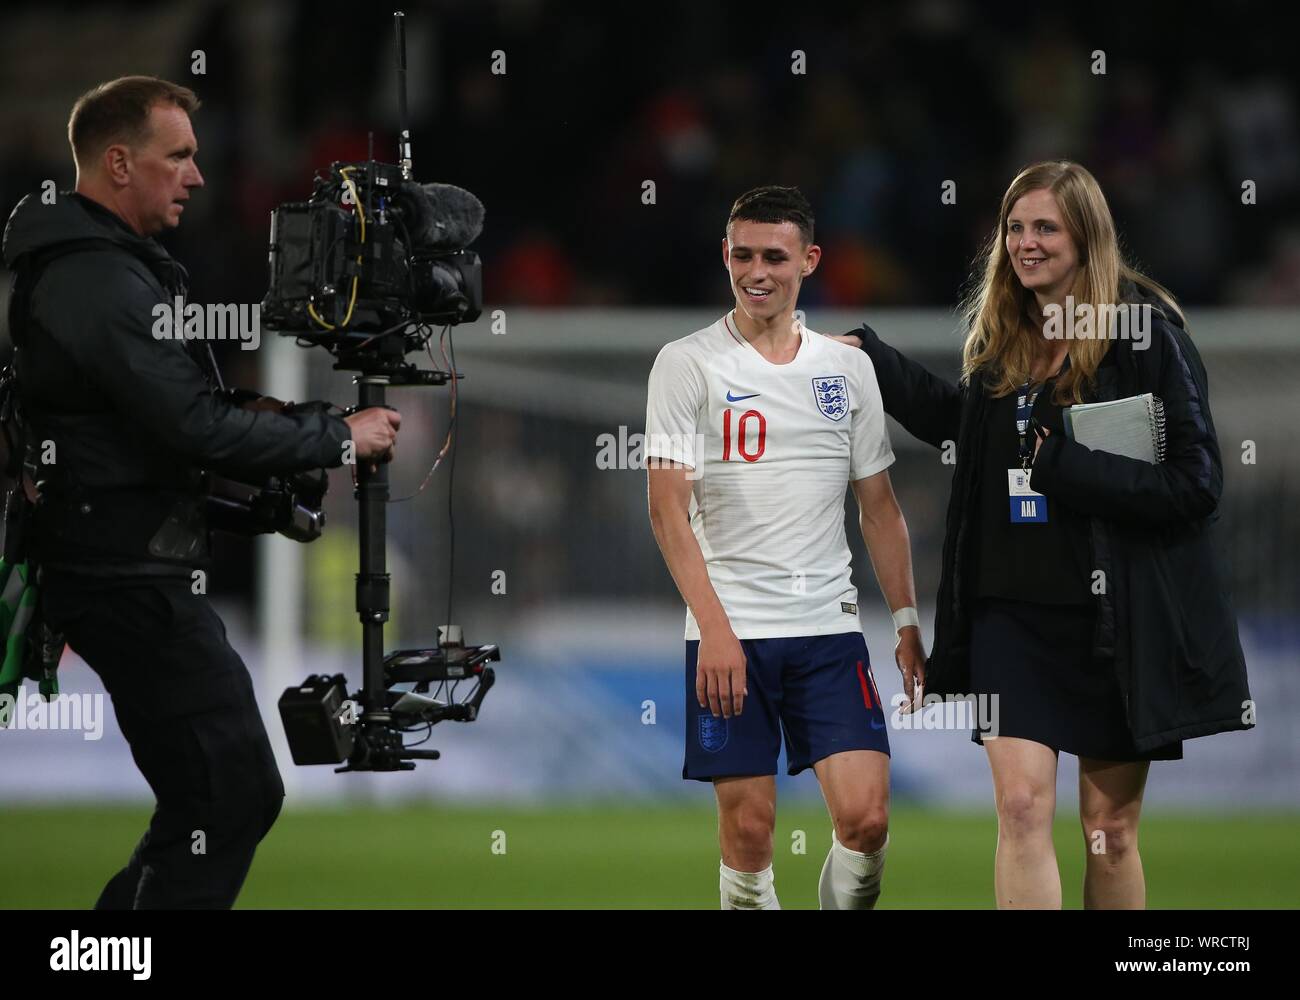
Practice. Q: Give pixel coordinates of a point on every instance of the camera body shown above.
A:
(369, 253)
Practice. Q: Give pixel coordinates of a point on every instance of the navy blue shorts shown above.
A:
(818, 689)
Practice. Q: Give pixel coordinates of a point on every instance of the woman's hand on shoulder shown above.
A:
(852, 339)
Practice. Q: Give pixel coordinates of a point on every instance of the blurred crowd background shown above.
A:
(700, 98)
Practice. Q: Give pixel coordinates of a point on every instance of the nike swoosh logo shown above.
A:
(737, 399)
(874, 726)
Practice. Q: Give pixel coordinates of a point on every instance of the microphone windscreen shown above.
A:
(440, 217)
(457, 216)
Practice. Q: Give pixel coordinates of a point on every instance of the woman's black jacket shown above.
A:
(1164, 611)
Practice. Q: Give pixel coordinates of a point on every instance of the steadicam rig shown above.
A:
(367, 268)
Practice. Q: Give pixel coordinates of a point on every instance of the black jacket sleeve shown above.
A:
(1184, 487)
(928, 407)
(108, 331)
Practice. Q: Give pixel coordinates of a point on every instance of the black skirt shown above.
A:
(1037, 658)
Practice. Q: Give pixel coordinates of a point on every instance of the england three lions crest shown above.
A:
(832, 392)
(713, 732)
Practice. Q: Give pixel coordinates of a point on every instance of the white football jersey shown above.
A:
(773, 448)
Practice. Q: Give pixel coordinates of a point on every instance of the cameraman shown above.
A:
(121, 426)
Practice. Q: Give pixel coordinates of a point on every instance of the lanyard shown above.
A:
(1025, 407)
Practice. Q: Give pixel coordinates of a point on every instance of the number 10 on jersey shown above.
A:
(750, 425)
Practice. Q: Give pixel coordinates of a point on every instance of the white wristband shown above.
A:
(904, 617)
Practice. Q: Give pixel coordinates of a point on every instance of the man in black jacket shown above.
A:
(122, 426)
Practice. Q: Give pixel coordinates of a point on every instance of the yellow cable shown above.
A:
(361, 215)
(312, 310)
(356, 198)
(353, 301)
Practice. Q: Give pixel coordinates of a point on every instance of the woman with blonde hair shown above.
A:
(1083, 591)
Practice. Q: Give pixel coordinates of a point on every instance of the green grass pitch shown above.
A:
(623, 857)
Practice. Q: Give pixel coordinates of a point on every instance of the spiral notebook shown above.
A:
(1133, 427)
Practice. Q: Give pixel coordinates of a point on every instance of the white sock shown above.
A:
(851, 879)
(747, 890)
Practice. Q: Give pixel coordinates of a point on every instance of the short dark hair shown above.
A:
(118, 111)
(771, 203)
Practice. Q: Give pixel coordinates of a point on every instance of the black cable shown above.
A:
(451, 422)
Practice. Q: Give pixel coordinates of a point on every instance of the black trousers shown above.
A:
(185, 703)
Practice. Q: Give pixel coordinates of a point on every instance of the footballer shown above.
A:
(754, 426)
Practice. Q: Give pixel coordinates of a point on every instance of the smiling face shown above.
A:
(767, 262)
(161, 171)
(1042, 252)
